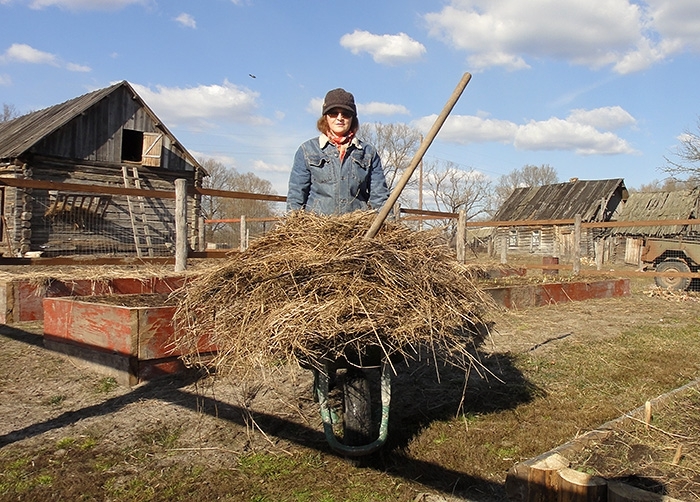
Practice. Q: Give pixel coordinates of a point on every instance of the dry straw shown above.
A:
(314, 289)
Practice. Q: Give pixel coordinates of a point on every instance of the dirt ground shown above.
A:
(59, 415)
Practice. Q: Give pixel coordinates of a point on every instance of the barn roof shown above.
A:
(676, 205)
(561, 201)
(19, 135)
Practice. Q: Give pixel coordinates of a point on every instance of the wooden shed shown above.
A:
(594, 200)
(655, 206)
(109, 138)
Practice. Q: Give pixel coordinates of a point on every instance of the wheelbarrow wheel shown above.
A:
(357, 416)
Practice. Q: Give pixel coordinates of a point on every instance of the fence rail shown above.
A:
(463, 226)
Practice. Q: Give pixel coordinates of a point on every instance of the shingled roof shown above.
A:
(19, 135)
(562, 201)
(676, 205)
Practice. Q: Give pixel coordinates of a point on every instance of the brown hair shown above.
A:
(322, 124)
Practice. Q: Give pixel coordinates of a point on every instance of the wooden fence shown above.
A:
(463, 227)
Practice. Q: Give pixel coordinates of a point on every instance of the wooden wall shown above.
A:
(62, 223)
(553, 241)
(97, 134)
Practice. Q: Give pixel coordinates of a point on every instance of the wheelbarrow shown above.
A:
(357, 403)
(358, 417)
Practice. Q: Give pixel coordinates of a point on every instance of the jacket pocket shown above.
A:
(321, 171)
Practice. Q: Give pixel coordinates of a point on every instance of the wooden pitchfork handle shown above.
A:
(394, 196)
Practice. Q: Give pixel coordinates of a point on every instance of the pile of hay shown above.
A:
(314, 288)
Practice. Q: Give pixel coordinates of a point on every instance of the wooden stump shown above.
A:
(543, 478)
(576, 486)
(535, 480)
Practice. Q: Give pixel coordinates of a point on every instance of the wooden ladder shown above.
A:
(139, 222)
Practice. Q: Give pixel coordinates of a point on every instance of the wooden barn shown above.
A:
(106, 138)
(594, 200)
(655, 206)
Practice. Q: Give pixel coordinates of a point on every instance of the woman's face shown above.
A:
(339, 121)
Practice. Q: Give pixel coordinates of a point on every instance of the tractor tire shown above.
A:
(672, 283)
(357, 416)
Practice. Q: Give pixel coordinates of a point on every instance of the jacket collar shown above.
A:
(323, 141)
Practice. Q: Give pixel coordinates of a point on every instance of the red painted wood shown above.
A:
(144, 332)
(535, 295)
(24, 299)
(92, 325)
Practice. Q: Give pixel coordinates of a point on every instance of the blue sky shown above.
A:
(595, 88)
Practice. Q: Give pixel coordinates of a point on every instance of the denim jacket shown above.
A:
(320, 183)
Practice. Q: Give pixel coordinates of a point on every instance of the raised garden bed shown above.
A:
(128, 337)
(571, 471)
(21, 298)
(536, 295)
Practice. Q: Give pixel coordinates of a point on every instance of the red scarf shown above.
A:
(341, 142)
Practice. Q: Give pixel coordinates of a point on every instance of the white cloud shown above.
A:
(609, 118)
(677, 21)
(108, 5)
(375, 108)
(199, 104)
(464, 129)
(585, 132)
(260, 166)
(78, 67)
(5, 79)
(315, 106)
(186, 20)
(23, 53)
(372, 108)
(384, 49)
(559, 134)
(625, 35)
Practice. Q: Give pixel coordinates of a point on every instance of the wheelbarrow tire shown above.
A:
(357, 416)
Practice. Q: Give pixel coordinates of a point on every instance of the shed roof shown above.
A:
(560, 201)
(19, 135)
(641, 206)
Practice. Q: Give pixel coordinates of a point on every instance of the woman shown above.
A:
(337, 173)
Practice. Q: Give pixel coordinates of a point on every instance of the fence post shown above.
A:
(244, 244)
(504, 248)
(201, 235)
(577, 245)
(461, 237)
(599, 253)
(180, 224)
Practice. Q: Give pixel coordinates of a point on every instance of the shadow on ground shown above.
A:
(423, 393)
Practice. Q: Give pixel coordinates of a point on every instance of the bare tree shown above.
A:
(667, 185)
(396, 145)
(527, 176)
(9, 112)
(220, 208)
(454, 189)
(688, 155)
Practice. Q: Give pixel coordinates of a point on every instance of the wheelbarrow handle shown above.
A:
(403, 181)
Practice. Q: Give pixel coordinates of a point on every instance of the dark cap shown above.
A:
(339, 98)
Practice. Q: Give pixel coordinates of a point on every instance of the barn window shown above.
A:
(513, 238)
(536, 239)
(142, 147)
(132, 145)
